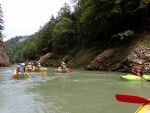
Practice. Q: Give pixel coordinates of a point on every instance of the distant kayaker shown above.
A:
(39, 65)
(139, 72)
(62, 66)
(18, 69)
(32, 65)
(29, 65)
(23, 68)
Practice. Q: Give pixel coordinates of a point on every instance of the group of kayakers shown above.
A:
(22, 68)
(31, 65)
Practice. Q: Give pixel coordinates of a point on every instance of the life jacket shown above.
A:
(39, 66)
(64, 66)
(22, 69)
(140, 73)
(17, 69)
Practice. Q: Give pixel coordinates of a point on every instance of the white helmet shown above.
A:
(23, 64)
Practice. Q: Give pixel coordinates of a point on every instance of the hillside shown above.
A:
(15, 47)
(97, 35)
(13, 41)
(4, 59)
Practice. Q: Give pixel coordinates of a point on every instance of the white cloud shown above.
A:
(24, 17)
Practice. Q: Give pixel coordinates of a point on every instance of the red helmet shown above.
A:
(137, 68)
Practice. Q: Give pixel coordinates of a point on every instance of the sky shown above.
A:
(25, 17)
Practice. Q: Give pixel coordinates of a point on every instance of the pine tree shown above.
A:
(1, 22)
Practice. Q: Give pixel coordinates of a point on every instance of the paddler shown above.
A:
(138, 71)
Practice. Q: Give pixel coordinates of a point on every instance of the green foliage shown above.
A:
(15, 48)
(9, 52)
(62, 34)
(30, 51)
(127, 33)
(147, 45)
(100, 22)
(1, 23)
(144, 3)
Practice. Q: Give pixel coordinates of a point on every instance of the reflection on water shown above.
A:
(77, 92)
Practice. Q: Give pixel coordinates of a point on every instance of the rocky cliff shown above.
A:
(4, 59)
(115, 59)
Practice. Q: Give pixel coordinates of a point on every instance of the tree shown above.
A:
(30, 51)
(62, 34)
(1, 22)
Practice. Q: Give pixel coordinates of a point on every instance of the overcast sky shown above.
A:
(24, 17)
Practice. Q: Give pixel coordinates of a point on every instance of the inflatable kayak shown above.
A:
(145, 108)
(41, 69)
(63, 70)
(21, 75)
(36, 70)
(131, 77)
(31, 69)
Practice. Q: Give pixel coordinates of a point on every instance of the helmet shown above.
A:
(137, 68)
(29, 63)
(23, 64)
(63, 62)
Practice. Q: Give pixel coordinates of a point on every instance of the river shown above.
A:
(76, 92)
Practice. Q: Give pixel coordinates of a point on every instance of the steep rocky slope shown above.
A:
(4, 59)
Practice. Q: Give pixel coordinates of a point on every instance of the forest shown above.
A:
(89, 24)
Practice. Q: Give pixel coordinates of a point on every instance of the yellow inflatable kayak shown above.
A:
(21, 75)
(37, 69)
(42, 69)
(63, 70)
(145, 108)
(31, 69)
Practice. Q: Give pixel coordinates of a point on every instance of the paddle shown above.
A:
(33, 76)
(135, 73)
(9, 71)
(70, 71)
(131, 99)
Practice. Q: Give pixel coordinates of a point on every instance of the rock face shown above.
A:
(45, 58)
(107, 60)
(112, 59)
(4, 59)
(141, 57)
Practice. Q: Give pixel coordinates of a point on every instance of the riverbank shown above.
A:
(112, 57)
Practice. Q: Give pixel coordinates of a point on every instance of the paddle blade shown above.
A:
(131, 99)
(33, 76)
(70, 71)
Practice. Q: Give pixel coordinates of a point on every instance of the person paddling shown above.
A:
(138, 71)
(18, 69)
(62, 66)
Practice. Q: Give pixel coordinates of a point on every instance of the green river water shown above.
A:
(76, 92)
